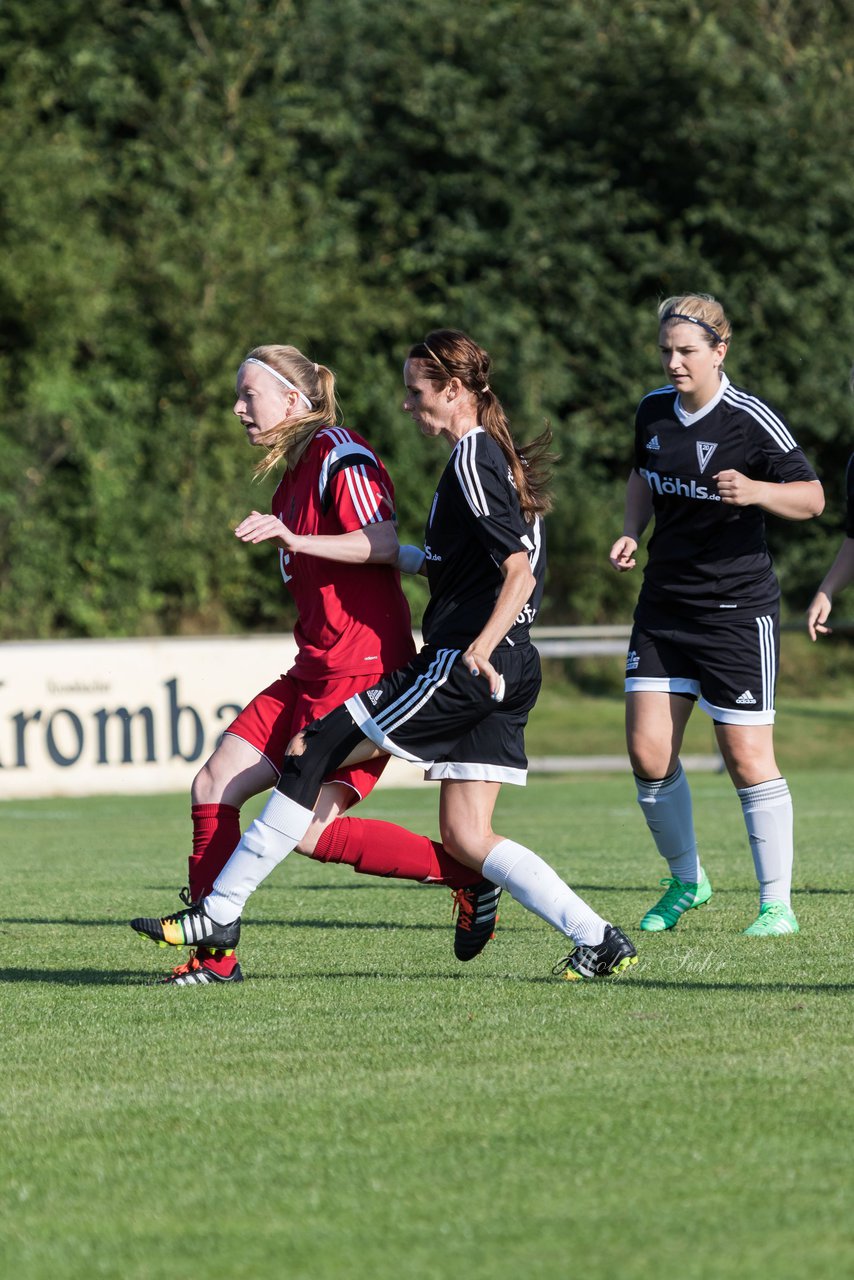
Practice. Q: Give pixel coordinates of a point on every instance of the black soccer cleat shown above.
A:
(611, 957)
(476, 909)
(190, 928)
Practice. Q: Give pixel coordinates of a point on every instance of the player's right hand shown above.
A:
(622, 554)
(263, 527)
(479, 665)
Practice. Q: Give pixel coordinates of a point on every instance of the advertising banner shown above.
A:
(95, 717)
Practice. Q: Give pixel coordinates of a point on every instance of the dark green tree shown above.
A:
(184, 179)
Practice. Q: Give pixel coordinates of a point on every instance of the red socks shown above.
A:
(376, 848)
(370, 847)
(221, 962)
(216, 834)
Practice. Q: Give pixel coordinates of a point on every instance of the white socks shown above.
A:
(666, 805)
(768, 817)
(536, 886)
(767, 812)
(263, 845)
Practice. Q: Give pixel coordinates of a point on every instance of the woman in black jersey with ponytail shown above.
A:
(710, 460)
(459, 708)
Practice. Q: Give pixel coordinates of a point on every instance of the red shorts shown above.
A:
(287, 705)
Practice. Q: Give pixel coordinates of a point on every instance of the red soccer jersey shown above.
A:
(353, 618)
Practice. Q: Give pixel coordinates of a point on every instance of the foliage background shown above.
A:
(184, 179)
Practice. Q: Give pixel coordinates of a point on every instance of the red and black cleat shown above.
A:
(477, 915)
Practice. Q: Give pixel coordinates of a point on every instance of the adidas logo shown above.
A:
(374, 695)
(653, 446)
(746, 699)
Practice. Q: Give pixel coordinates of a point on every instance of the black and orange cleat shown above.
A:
(476, 909)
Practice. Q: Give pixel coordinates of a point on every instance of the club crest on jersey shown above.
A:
(704, 453)
(632, 660)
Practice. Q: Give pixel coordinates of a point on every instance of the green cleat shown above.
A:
(678, 898)
(774, 920)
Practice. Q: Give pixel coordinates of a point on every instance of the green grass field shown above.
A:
(366, 1107)
(809, 733)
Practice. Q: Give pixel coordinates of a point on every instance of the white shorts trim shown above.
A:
(727, 715)
(262, 755)
(662, 684)
(371, 730)
(446, 770)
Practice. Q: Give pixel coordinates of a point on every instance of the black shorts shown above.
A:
(729, 663)
(436, 714)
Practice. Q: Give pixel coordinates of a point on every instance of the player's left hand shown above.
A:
(479, 665)
(737, 490)
(260, 527)
(817, 615)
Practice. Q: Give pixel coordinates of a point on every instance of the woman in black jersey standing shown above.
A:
(710, 460)
(459, 708)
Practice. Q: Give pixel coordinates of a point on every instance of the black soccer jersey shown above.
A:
(705, 555)
(849, 496)
(475, 523)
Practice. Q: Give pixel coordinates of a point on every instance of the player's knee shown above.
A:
(652, 761)
(748, 753)
(206, 788)
(750, 768)
(462, 840)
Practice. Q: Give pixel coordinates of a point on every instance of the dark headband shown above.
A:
(439, 362)
(677, 315)
(446, 370)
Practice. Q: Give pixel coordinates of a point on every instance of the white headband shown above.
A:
(281, 377)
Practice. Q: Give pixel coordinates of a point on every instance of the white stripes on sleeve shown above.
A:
(366, 501)
(776, 428)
